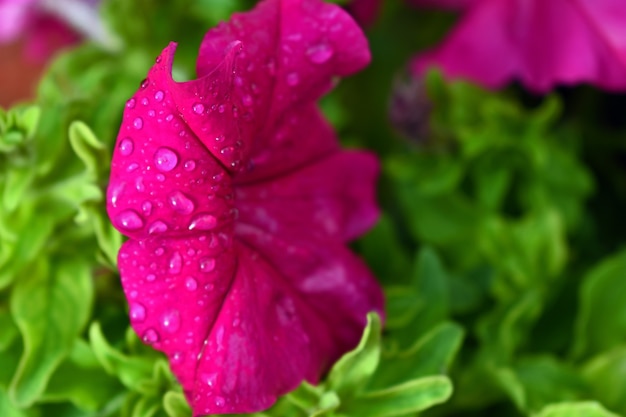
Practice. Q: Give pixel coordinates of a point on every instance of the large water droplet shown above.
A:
(150, 336)
(132, 167)
(293, 79)
(129, 220)
(144, 83)
(116, 191)
(137, 313)
(171, 321)
(320, 54)
(203, 222)
(131, 103)
(157, 227)
(159, 95)
(207, 264)
(198, 108)
(165, 159)
(176, 263)
(191, 284)
(138, 123)
(145, 101)
(181, 203)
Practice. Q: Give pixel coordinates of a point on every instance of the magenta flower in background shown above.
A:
(540, 43)
(239, 203)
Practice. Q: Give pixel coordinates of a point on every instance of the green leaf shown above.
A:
(50, 307)
(605, 375)
(175, 404)
(88, 148)
(432, 354)
(579, 409)
(351, 373)
(400, 400)
(81, 380)
(602, 301)
(8, 409)
(129, 370)
(17, 182)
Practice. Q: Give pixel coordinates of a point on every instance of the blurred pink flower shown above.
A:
(540, 43)
(239, 203)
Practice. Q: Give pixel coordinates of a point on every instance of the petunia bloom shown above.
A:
(540, 43)
(238, 203)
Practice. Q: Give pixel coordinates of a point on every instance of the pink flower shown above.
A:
(541, 43)
(239, 202)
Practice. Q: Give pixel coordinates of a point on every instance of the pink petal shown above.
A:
(14, 18)
(335, 195)
(242, 320)
(541, 43)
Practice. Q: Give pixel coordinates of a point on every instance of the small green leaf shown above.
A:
(175, 404)
(130, 370)
(353, 370)
(8, 409)
(410, 397)
(605, 375)
(50, 306)
(576, 409)
(88, 148)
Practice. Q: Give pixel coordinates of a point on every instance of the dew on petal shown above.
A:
(150, 277)
(129, 220)
(160, 177)
(145, 101)
(177, 357)
(203, 222)
(131, 103)
(137, 312)
(165, 159)
(138, 123)
(320, 54)
(159, 95)
(198, 108)
(219, 401)
(146, 207)
(207, 264)
(150, 336)
(126, 146)
(157, 227)
(190, 165)
(170, 321)
(191, 284)
(144, 83)
(181, 203)
(176, 263)
(139, 184)
(116, 190)
(132, 167)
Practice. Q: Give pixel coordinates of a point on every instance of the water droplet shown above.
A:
(138, 123)
(177, 357)
(219, 138)
(181, 203)
(218, 177)
(151, 113)
(203, 222)
(198, 108)
(144, 83)
(139, 184)
(210, 379)
(191, 284)
(221, 108)
(176, 263)
(165, 159)
(137, 312)
(320, 54)
(126, 146)
(293, 79)
(169, 118)
(145, 101)
(116, 191)
(228, 150)
(160, 177)
(171, 321)
(157, 227)
(129, 220)
(150, 336)
(158, 59)
(132, 167)
(150, 277)
(190, 165)
(130, 103)
(146, 207)
(159, 95)
(219, 401)
(207, 264)
(236, 322)
(158, 252)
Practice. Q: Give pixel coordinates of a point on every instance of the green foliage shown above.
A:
(500, 250)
